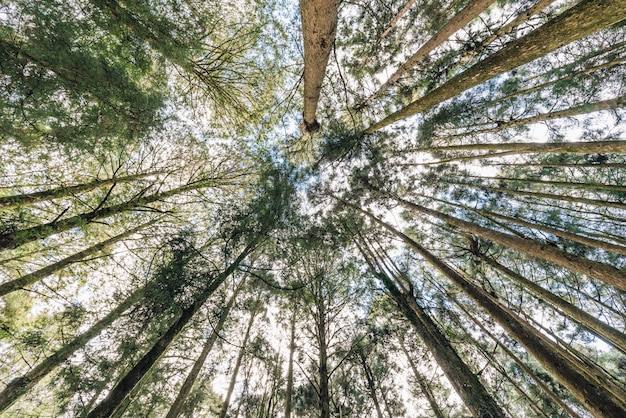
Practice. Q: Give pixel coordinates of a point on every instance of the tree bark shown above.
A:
(8, 202)
(392, 24)
(603, 272)
(16, 238)
(19, 386)
(178, 403)
(319, 25)
(117, 396)
(592, 147)
(292, 349)
(581, 20)
(369, 378)
(233, 377)
(590, 389)
(324, 395)
(37, 275)
(422, 383)
(462, 18)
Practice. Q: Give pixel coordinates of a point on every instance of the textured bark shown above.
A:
(392, 24)
(592, 390)
(583, 109)
(465, 383)
(581, 20)
(603, 272)
(319, 25)
(324, 394)
(185, 389)
(233, 377)
(563, 184)
(422, 384)
(16, 238)
(462, 18)
(292, 349)
(599, 147)
(37, 275)
(119, 394)
(7, 202)
(19, 386)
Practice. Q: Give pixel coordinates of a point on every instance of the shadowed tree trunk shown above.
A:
(591, 389)
(462, 18)
(583, 19)
(37, 275)
(600, 147)
(292, 349)
(119, 394)
(371, 386)
(178, 403)
(319, 25)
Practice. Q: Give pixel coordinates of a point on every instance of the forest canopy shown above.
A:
(323, 208)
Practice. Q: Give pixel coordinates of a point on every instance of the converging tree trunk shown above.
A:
(584, 18)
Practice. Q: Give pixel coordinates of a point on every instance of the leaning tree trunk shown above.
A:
(233, 377)
(16, 238)
(592, 390)
(177, 406)
(118, 395)
(462, 18)
(597, 147)
(581, 20)
(603, 272)
(369, 378)
(292, 349)
(37, 275)
(319, 25)
(426, 391)
(19, 386)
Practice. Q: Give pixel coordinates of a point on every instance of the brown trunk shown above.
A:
(600, 271)
(563, 184)
(583, 19)
(16, 238)
(177, 406)
(392, 24)
(37, 275)
(324, 395)
(369, 378)
(319, 25)
(588, 388)
(19, 386)
(119, 394)
(7, 202)
(583, 109)
(593, 147)
(233, 377)
(424, 387)
(292, 349)
(462, 18)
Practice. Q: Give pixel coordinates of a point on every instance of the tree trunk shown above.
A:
(422, 383)
(125, 386)
(8, 202)
(462, 18)
(319, 25)
(370, 383)
(590, 389)
(581, 20)
(233, 377)
(583, 109)
(177, 406)
(603, 272)
(324, 395)
(292, 349)
(392, 24)
(563, 184)
(37, 275)
(15, 239)
(19, 386)
(592, 147)
(465, 383)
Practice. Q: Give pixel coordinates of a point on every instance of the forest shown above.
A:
(313, 208)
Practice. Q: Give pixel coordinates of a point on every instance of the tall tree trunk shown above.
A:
(37, 275)
(319, 25)
(592, 390)
(16, 238)
(292, 349)
(178, 403)
(591, 147)
(581, 20)
(392, 24)
(562, 184)
(7, 202)
(603, 272)
(233, 377)
(462, 18)
(19, 386)
(610, 104)
(369, 378)
(116, 397)
(324, 393)
(465, 383)
(424, 387)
